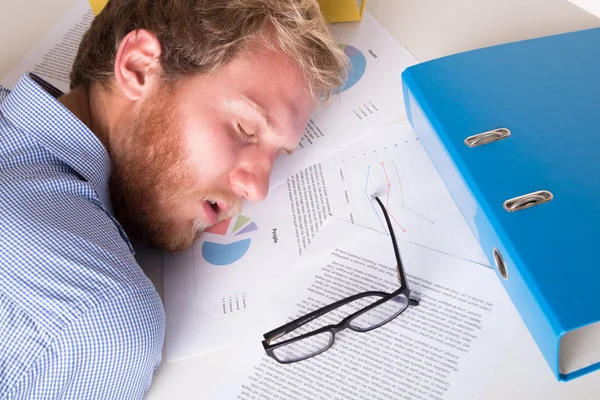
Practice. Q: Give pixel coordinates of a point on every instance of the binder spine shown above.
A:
(497, 246)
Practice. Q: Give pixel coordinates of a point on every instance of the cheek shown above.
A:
(210, 152)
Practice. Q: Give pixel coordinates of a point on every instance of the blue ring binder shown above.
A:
(546, 92)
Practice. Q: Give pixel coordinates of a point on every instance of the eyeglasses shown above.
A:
(375, 309)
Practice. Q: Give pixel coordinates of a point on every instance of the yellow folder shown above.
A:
(333, 10)
(342, 10)
(97, 5)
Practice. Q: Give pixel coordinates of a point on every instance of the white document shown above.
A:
(591, 6)
(393, 164)
(390, 163)
(212, 290)
(371, 98)
(53, 57)
(445, 348)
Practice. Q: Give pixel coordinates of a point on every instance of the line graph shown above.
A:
(387, 199)
(401, 174)
(401, 195)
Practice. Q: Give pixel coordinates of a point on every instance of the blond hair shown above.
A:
(200, 36)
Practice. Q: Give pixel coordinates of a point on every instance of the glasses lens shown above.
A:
(379, 315)
(304, 348)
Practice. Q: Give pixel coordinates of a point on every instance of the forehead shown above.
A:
(262, 69)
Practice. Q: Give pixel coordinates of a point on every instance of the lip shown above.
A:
(209, 213)
(223, 207)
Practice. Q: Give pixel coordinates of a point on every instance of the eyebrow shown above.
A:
(256, 108)
(260, 112)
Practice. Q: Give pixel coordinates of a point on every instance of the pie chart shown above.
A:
(228, 241)
(358, 65)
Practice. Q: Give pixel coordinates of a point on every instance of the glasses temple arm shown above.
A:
(399, 265)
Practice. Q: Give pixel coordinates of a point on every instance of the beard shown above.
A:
(152, 179)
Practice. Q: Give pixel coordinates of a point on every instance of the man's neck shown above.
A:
(78, 101)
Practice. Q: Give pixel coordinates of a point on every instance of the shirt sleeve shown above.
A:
(110, 352)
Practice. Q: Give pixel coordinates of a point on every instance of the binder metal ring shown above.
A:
(487, 137)
(528, 200)
(500, 264)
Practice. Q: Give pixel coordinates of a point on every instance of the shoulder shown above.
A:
(66, 251)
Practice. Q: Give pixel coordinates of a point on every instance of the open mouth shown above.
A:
(213, 209)
(214, 206)
(211, 212)
(219, 206)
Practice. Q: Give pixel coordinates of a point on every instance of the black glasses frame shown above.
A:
(345, 323)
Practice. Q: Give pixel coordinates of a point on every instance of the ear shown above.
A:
(137, 67)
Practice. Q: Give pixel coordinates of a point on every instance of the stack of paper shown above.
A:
(445, 348)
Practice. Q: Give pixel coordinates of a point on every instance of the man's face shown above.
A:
(197, 149)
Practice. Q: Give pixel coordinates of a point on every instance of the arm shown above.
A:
(109, 352)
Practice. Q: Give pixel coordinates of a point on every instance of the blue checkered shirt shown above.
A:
(78, 317)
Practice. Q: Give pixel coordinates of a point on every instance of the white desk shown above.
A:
(429, 29)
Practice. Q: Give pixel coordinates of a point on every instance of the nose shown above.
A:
(251, 181)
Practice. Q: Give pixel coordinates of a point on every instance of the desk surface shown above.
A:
(429, 29)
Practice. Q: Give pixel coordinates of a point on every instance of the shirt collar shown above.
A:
(37, 112)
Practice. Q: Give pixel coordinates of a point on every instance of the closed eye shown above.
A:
(245, 135)
(285, 152)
